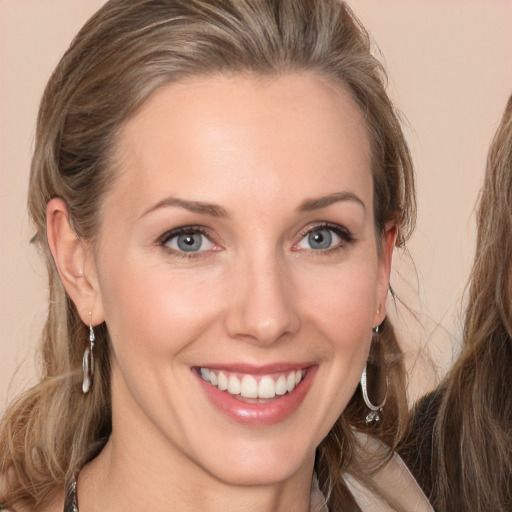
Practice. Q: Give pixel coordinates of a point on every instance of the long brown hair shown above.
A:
(471, 411)
(125, 52)
(473, 432)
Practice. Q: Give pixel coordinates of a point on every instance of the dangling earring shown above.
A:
(373, 415)
(88, 360)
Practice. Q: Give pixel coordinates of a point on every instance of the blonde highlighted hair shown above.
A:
(127, 50)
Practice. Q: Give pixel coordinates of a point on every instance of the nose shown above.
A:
(262, 304)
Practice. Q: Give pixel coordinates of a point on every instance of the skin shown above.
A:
(262, 152)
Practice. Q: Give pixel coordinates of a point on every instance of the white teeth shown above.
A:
(222, 381)
(290, 382)
(249, 387)
(234, 385)
(267, 387)
(281, 385)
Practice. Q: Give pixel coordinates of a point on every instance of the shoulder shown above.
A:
(427, 406)
(422, 422)
(417, 445)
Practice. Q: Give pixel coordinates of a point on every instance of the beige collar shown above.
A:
(394, 478)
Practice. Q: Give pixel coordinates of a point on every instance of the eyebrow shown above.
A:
(193, 206)
(217, 211)
(324, 202)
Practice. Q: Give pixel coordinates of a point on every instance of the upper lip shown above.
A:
(254, 369)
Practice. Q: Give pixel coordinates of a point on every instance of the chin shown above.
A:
(260, 465)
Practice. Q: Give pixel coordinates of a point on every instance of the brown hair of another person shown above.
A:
(475, 417)
(461, 441)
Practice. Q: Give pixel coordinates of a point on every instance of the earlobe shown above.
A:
(71, 258)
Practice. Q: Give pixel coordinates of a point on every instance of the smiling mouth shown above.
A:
(253, 388)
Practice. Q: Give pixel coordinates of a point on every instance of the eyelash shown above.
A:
(344, 234)
(184, 230)
(346, 237)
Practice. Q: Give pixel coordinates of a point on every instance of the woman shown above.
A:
(460, 443)
(217, 187)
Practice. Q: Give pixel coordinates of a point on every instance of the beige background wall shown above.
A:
(450, 72)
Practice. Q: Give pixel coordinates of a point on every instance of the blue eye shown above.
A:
(322, 238)
(188, 241)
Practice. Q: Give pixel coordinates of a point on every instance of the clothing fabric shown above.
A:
(395, 479)
(417, 447)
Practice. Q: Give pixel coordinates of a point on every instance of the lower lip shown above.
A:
(259, 414)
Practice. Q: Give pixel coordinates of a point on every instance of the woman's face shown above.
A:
(238, 251)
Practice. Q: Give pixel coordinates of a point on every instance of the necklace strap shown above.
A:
(70, 502)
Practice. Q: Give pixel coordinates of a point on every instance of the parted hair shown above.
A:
(126, 51)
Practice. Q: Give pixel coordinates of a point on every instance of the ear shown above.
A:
(74, 262)
(384, 270)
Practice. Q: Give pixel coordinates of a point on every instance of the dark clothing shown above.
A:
(416, 449)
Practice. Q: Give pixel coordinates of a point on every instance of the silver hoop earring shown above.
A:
(373, 415)
(88, 360)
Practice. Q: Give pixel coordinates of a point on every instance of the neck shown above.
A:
(125, 477)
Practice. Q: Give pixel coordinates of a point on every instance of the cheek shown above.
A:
(343, 303)
(342, 316)
(151, 311)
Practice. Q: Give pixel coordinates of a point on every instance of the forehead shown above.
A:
(294, 133)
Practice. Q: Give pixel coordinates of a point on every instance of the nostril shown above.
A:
(263, 306)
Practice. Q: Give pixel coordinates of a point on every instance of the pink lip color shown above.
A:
(260, 414)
